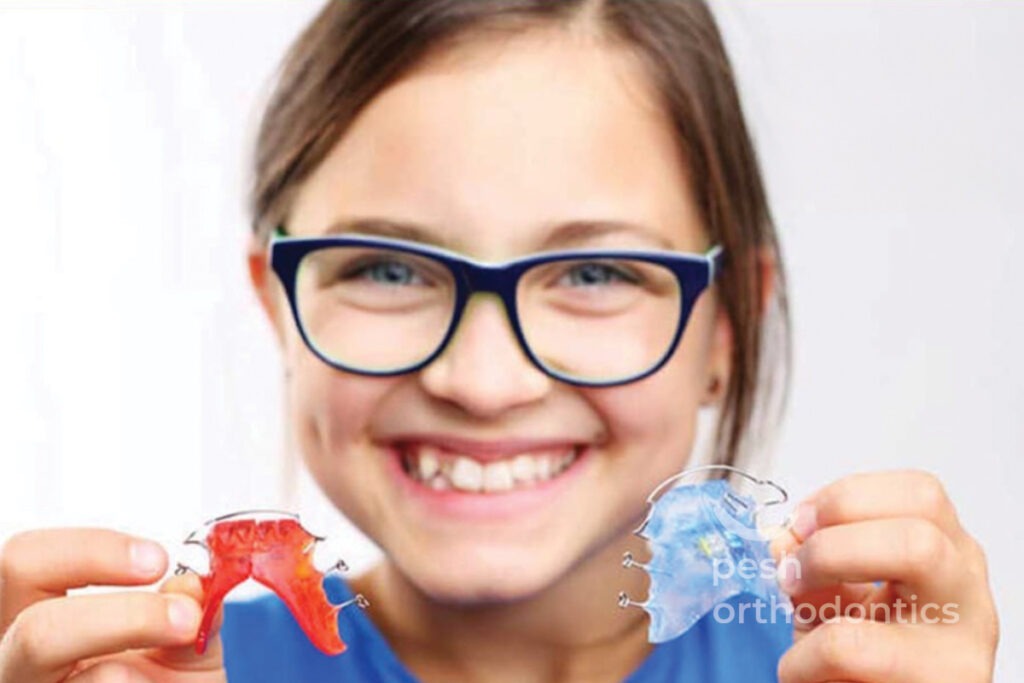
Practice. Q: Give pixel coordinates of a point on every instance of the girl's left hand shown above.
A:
(912, 590)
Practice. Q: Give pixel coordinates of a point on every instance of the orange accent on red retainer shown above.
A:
(279, 554)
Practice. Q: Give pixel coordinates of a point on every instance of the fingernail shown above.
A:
(183, 614)
(147, 558)
(805, 521)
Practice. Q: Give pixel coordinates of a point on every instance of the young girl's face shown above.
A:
(489, 151)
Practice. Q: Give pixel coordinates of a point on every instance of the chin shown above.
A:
(480, 576)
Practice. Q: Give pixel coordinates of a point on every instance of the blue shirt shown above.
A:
(264, 644)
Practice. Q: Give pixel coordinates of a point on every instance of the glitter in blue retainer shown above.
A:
(705, 548)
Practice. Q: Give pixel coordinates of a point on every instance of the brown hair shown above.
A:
(353, 49)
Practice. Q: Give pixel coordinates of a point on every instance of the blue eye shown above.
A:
(388, 273)
(591, 274)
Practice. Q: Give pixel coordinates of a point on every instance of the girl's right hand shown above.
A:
(48, 636)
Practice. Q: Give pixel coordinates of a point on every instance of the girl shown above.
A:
(499, 449)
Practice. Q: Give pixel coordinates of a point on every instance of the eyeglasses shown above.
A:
(595, 317)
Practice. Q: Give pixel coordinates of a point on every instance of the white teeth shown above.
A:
(522, 468)
(467, 474)
(497, 477)
(543, 467)
(440, 471)
(429, 464)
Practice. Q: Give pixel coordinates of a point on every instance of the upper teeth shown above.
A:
(442, 471)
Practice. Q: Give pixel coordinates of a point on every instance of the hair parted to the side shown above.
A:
(353, 49)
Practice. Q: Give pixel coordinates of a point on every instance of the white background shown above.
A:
(139, 385)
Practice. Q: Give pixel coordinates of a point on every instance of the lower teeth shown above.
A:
(439, 483)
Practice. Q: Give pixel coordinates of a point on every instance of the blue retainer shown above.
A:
(705, 548)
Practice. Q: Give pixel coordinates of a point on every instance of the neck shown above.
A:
(574, 630)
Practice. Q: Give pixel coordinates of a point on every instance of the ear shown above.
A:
(767, 268)
(264, 284)
(720, 361)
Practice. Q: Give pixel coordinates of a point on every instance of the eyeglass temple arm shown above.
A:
(716, 259)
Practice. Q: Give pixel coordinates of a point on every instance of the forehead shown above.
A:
(495, 141)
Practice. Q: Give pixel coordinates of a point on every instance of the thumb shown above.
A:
(184, 657)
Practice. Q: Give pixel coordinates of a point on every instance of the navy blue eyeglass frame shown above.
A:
(694, 272)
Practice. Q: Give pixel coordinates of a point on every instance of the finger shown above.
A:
(844, 650)
(184, 657)
(46, 563)
(911, 552)
(879, 495)
(46, 639)
(853, 650)
(109, 672)
(864, 600)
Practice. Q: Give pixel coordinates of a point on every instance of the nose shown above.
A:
(483, 370)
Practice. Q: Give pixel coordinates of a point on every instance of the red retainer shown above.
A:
(277, 553)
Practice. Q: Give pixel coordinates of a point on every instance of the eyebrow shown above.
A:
(559, 236)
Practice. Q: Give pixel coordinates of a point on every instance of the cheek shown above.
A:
(652, 423)
(329, 413)
(660, 405)
(329, 409)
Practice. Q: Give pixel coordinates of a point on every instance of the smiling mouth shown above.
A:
(443, 470)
